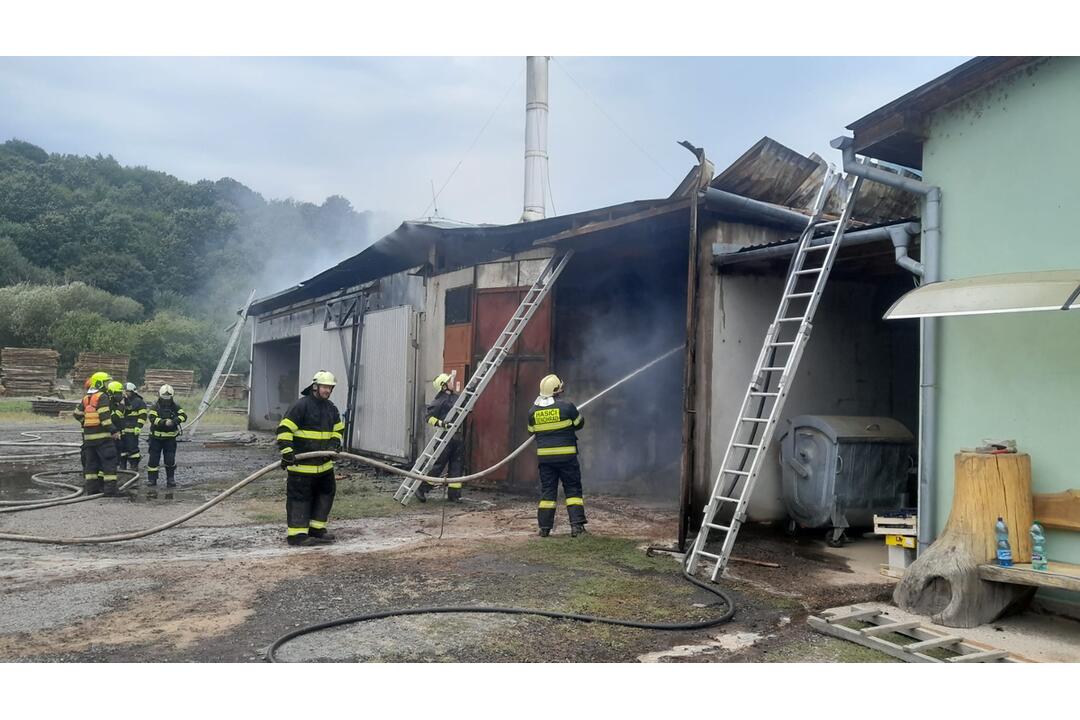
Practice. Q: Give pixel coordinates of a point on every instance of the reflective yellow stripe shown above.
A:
(574, 501)
(455, 486)
(578, 420)
(164, 434)
(89, 476)
(336, 436)
(565, 450)
(313, 434)
(339, 426)
(547, 504)
(318, 524)
(140, 412)
(109, 477)
(297, 531)
(286, 451)
(433, 420)
(289, 424)
(544, 427)
(285, 436)
(95, 436)
(312, 469)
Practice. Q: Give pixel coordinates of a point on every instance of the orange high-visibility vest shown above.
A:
(91, 417)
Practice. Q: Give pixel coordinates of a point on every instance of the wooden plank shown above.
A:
(594, 227)
(855, 614)
(1065, 576)
(944, 641)
(1058, 510)
(984, 656)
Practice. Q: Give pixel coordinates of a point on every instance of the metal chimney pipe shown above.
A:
(536, 119)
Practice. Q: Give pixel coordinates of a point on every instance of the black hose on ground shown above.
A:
(271, 652)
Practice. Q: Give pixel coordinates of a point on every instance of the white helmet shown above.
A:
(130, 386)
(324, 378)
(166, 391)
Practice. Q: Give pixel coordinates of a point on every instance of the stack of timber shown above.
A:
(182, 381)
(53, 407)
(90, 363)
(28, 371)
(235, 388)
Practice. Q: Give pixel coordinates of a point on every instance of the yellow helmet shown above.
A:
(324, 378)
(550, 385)
(166, 391)
(440, 380)
(114, 386)
(99, 380)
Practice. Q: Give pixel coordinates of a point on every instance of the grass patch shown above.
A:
(584, 553)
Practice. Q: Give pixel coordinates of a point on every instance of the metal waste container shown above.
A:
(838, 471)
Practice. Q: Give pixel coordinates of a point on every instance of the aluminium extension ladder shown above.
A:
(488, 366)
(776, 366)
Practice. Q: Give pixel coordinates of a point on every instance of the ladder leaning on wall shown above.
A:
(774, 370)
(488, 366)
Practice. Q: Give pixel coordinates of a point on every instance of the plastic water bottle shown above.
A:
(1038, 547)
(1004, 552)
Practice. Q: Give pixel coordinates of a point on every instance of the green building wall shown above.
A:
(1007, 159)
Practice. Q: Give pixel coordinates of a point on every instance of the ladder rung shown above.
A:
(890, 627)
(714, 526)
(854, 615)
(823, 246)
(708, 555)
(785, 343)
(811, 271)
(762, 394)
(773, 369)
(984, 656)
(744, 445)
(794, 319)
(737, 472)
(755, 420)
(826, 223)
(725, 498)
(795, 296)
(934, 643)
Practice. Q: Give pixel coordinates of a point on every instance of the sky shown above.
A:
(383, 131)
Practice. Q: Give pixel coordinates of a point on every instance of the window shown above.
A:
(459, 305)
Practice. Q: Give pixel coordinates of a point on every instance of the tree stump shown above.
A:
(944, 581)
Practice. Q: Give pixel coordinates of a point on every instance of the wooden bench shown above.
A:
(1060, 511)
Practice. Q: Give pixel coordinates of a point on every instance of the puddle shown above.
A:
(15, 484)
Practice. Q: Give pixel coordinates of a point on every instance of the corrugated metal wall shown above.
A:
(387, 388)
(321, 350)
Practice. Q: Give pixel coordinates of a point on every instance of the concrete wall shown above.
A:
(849, 368)
(1006, 159)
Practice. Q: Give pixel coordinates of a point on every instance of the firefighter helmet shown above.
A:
(324, 378)
(99, 380)
(166, 391)
(114, 386)
(550, 385)
(440, 380)
(130, 386)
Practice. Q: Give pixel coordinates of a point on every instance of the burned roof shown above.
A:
(895, 132)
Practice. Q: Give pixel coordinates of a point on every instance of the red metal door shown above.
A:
(500, 416)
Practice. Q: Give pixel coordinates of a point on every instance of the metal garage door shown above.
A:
(386, 393)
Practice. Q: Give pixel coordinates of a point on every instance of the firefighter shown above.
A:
(166, 419)
(100, 421)
(313, 423)
(119, 403)
(555, 423)
(134, 419)
(453, 454)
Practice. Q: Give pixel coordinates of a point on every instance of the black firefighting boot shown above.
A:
(545, 532)
(94, 486)
(300, 540)
(578, 529)
(422, 491)
(110, 488)
(321, 535)
(170, 476)
(453, 494)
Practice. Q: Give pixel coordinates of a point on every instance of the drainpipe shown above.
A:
(900, 235)
(901, 238)
(931, 256)
(723, 201)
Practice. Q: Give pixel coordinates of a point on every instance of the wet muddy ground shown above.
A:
(224, 585)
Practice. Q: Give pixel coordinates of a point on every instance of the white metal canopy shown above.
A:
(990, 294)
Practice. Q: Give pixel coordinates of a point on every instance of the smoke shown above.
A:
(614, 314)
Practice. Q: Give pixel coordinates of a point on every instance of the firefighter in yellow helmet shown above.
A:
(166, 418)
(555, 423)
(135, 411)
(453, 454)
(116, 394)
(100, 420)
(313, 423)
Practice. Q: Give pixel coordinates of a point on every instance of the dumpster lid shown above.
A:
(855, 427)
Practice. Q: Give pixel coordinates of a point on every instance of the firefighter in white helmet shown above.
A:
(165, 418)
(313, 423)
(555, 423)
(453, 454)
(135, 412)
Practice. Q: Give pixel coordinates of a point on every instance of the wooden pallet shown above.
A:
(918, 637)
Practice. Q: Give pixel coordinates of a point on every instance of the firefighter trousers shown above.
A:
(308, 499)
(158, 447)
(569, 473)
(131, 456)
(453, 456)
(99, 467)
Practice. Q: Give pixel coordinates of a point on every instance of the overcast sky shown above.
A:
(380, 130)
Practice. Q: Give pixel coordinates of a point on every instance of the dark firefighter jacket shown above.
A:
(164, 410)
(555, 423)
(99, 417)
(135, 414)
(310, 425)
(440, 408)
